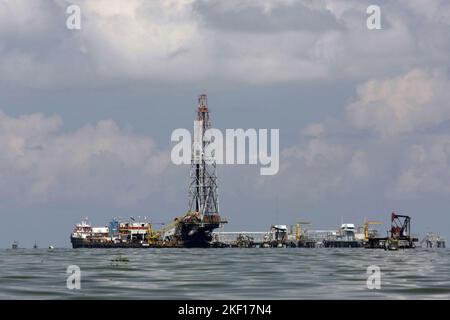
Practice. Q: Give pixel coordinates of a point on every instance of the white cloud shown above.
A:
(415, 100)
(346, 161)
(40, 164)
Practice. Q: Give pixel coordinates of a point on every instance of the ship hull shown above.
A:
(342, 244)
(83, 243)
(188, 235)
(201, 240)
(197, 235)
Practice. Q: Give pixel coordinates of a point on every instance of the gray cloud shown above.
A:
(192, 42)
(258, 17)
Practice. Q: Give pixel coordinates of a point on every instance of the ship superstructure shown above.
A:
(118, 234)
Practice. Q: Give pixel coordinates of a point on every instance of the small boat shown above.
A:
(15, 245)
(51, 247)
(35, 246)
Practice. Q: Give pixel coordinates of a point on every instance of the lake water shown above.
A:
(281, 273)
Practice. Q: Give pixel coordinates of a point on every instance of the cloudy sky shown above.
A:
(86, 115)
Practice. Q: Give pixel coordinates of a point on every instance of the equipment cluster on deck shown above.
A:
(348, 236)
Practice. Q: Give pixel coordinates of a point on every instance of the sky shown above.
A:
(86, 115)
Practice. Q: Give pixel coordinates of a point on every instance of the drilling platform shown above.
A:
(195, 229)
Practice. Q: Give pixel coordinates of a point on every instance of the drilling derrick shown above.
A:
(196, 227)
(203, 196)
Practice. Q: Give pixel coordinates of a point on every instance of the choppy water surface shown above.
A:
(289, 273)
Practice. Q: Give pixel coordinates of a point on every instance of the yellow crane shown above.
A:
(298, 230)
(152, 236)
(366, 228)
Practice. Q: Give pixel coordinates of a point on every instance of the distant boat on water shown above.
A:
(15, 245)
(35, 246)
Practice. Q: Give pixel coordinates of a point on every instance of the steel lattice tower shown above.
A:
(203, 196)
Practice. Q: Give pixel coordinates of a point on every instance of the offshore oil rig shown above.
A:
(197, 227)
(193, 229)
